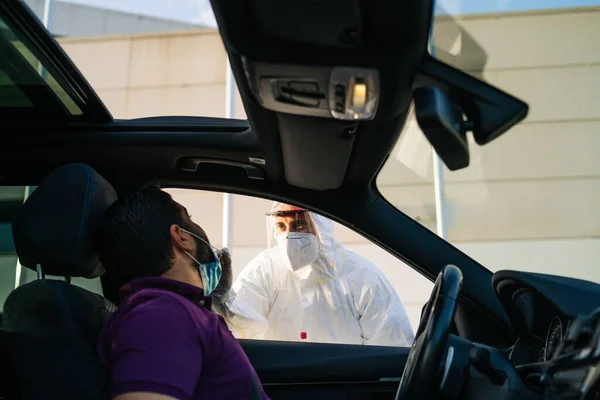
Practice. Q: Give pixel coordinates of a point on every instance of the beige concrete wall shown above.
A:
(541, 180)
(181, 73)
(72, 19)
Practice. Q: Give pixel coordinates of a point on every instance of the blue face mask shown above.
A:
(210, 273)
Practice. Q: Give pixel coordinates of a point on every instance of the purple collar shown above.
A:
(190, 292)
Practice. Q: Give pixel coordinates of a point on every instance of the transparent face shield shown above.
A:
(292, 232)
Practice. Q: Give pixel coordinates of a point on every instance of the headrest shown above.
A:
(55, 227)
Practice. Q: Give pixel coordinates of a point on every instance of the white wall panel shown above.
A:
(576, 258)
(535, 32)
(68, 20)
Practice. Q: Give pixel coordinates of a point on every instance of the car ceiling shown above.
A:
(391, 38)
(308, 152)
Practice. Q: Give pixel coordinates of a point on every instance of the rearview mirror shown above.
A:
(441, 120)
(490, 111)
(449, 102)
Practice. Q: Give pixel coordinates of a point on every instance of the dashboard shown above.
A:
(541, 308)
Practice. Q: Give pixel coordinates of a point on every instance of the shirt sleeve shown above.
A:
(156, 349)
(247, 307)
(382, 316)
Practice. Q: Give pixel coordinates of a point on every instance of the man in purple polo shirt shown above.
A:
(164, 342)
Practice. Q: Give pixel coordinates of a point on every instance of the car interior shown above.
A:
(327, 87)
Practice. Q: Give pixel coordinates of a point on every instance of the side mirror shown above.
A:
(441, 120)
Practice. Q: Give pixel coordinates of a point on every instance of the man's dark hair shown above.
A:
(133, 239)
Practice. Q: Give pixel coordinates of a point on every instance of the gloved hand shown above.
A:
(220, 293)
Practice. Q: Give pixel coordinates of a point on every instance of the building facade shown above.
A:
(79, 20)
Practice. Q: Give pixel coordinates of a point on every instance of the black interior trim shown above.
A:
(190, 164)
(323, 362)
(183, 122)
(569, 296)
(385, 390)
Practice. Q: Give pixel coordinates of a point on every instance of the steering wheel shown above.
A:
(423, 371)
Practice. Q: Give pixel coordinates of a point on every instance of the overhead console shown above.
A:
(344, 93)
(325, 81)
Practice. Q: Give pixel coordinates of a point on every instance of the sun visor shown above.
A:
(316, 152)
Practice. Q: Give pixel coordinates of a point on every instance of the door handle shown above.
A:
(191, 165)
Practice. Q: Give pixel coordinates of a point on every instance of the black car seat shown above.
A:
(52, 326)
(9, 389)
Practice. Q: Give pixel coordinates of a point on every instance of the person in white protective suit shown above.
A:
(307, 286)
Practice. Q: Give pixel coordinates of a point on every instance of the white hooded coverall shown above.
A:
(344, 299)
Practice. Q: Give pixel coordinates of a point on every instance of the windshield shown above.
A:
(529, 200)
